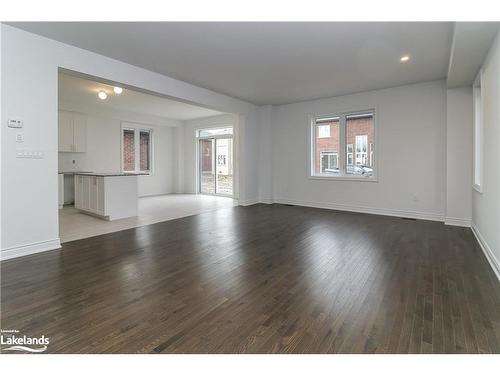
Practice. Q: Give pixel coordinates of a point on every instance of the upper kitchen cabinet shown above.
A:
(72, 132)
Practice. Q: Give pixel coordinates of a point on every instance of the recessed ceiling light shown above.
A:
(102, 95)
(404, 58)
(117, 90)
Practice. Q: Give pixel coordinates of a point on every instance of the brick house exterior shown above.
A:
(206, 155)
(359, 143)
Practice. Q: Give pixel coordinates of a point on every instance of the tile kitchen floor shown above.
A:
(74, 225)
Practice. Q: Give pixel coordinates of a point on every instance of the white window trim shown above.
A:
(342, 155)
(478, 132)
(137, 128)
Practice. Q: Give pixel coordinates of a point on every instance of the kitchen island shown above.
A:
(109, 196)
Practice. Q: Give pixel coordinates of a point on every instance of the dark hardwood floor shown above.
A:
(261, 279)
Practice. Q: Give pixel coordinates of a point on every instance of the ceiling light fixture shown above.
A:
(102, 95)
(117, 90)
(404, 58)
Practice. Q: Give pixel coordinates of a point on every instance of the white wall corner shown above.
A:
(33, 248)
(458, 222)
(490, 256)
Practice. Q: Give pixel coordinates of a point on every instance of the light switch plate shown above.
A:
(29, 154)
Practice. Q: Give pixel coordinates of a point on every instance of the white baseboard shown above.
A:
(365, 210)
(266, 201)
(495, 264)
(155, 194)
(248, 202)
(33, 248)
(459, 222)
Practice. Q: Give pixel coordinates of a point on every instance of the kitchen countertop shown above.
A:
(111, 174)
(74, 172)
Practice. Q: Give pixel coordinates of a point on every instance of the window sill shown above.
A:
(138, 173)
(344, 178)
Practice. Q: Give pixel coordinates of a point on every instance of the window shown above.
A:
(136, 159)
(327, 147)
(349, 154)
(329, 162)
(348, 150)
(128, 150)
(324, 131)
(361, 149)
(215, 132)
(144, 154)
(478, 135)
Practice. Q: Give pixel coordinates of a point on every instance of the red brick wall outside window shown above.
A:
(206, 155)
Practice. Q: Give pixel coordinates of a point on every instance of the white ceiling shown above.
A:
(471, 43)
(84, 92)
(270, 63)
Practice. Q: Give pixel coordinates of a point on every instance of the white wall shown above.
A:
(459, 156)
(29, 72)
(411, 152)
(189, 129)
(486, 205)
(266, 154)
(104, 147)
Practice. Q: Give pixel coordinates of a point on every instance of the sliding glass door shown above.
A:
(215, 172)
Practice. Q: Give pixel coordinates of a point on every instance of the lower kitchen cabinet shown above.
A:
(109, 197)
(89, 194)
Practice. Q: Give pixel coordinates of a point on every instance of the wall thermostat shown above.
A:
(15, 123)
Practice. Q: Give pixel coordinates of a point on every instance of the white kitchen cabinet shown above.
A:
(65, 132)
(79, 133)
(110, 197)
(72, 132)
(78, 191)
(61, 190)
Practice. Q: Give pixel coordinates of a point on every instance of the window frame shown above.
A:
(477, 135)
(342, 154)
(137, 129)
